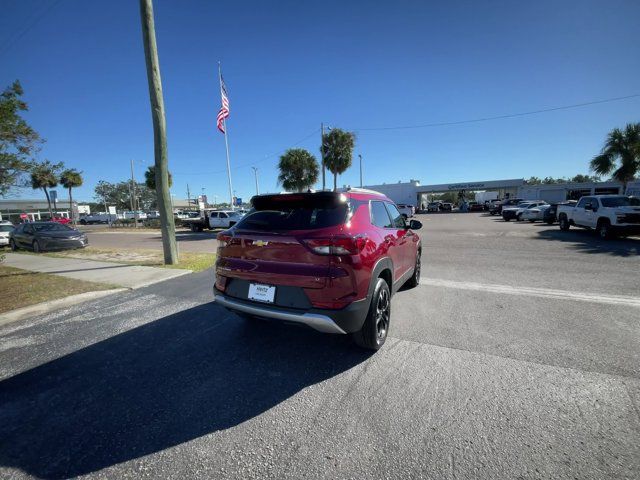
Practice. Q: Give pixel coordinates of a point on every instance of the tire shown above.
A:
(83, 222)
(506, 219)
(519, 217)
(549, 222)
(414, 281)
(12, 245)
(564, 223)
(375, 329)
(36, 247)
(604, 229)
(193, 227)
(531, 221)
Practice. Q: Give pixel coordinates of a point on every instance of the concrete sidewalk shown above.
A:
(129, 276)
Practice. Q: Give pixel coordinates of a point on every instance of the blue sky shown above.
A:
(290, 65)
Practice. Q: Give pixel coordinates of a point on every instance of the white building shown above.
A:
(413, 193)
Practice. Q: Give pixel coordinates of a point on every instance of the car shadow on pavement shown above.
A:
(587, 242)
(156, 386)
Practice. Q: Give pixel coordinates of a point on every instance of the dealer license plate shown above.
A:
(262, 293)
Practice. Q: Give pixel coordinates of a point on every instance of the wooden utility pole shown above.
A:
(163, 194)
(322, 153)
(134, 203)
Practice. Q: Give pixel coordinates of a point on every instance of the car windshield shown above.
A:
(620, 202)
(50, 227)
(6, 228)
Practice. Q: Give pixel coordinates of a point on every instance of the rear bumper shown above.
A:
(347, 320)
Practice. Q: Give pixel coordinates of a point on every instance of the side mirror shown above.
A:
(415, 225)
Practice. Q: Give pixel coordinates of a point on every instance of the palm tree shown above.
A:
(150, 178)
(622, 146)
(298, 170)
(71, 178)
(45, 175)
(337, 148)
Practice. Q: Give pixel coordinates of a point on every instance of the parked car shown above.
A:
(224, 218)
(515, 212)
(550, 215)
(446, 207)
(99, 218)
(534, 213)
(475, 207)
(5, 228)
(329, 260)
(496, 207)
(434, 207)
(609, 215)
(42, 236)
(153, 215)
(132, 215)
(406, 210)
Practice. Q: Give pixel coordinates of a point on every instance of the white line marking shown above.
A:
(534, 292)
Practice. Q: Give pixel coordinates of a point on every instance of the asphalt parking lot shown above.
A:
(518, 356)
(101, 236)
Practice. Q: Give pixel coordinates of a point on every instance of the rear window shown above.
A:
(282, 214)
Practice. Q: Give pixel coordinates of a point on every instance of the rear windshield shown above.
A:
(620, 202)
(6, 228)
(291, 217)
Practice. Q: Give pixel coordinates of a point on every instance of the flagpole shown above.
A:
(226, 143)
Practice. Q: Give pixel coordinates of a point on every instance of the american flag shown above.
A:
(224, 109)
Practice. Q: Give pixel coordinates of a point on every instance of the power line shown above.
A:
(28, 24)
(500, 117)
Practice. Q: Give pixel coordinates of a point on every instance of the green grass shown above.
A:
(21, 288)
(145, 257)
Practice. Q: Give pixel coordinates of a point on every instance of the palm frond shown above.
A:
(603, 164)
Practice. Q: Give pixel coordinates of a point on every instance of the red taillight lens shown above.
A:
(223, 239)
(339, 245)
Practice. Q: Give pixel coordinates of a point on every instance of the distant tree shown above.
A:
(46, 175)
(534, 181)
(150, 178)
(71, 178)
(620, 155)
(298, 170)
(585, 178)
(337, 149)
(18, 141)
(552, 181)
(119, 195)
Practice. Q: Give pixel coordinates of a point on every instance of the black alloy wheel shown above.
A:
(375, 329)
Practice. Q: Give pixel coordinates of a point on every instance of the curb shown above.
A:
(52, 305)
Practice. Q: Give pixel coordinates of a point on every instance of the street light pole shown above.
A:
(255, 173)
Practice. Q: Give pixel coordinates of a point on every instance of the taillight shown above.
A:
(223, 239)
(339, 245)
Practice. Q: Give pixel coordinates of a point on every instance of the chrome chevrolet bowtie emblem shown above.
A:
(260, 243)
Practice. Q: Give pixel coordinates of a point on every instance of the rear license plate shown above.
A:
(262, 293)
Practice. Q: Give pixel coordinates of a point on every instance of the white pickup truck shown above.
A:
(609, 215)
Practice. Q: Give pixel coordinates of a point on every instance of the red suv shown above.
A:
(329, 260)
